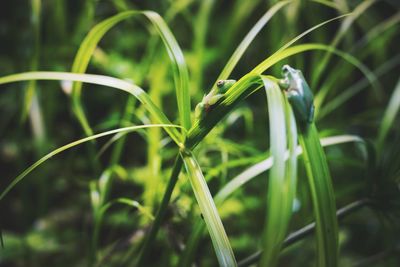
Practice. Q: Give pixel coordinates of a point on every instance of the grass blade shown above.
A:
(347, 22)
(282, 180)
(251, 82)
(203, 196)
(240, 180)
(270, 61)
(322, 196)
(257, 169)
(100, 80)
(351, 91)
(248, 39)
(180, 71)
(389, 116)
(73, 144)
(129, 202)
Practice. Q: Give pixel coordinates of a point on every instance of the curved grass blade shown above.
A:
(362, 53)
(73, 144)
(348, 93)
(129, 202)
(307, 32)
(240, 180)
(376, 31)
(203, 196)
(270, 61)
(248, 39)
(389, 116)
(266, 64)
(305, 231)
(282, 180)
(257, 169)
(251, 82)
(323, 197)
(179, 68)
(239, 91)
(327, 3)
(100, 80)
(347, 22)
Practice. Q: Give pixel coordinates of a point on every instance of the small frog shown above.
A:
(212, 97)
(299, 94)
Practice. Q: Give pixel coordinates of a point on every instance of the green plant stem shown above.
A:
(322, 196)
(161, 212)
(308, 229)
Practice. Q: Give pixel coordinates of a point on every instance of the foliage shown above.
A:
(169, 189)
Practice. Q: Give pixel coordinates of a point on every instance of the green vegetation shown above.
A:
(93, 176)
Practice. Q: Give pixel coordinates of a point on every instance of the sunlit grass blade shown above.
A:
(389, 116)
(270, 61)
(180, 71)
(239, 91)
(241, 180)
(100, 80)
(322, 195)
(203, 196)
(309, 31)
(73, 144)
(267, 63)
(251, 81)
(248, 39)
(282, 178)
(257, 169)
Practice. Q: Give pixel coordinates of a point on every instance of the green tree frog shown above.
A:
(298, 93)
(212, 97)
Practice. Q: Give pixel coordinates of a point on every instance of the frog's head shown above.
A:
(224, 85)
(291, 78)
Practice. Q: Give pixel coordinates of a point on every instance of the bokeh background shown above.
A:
(47, 219)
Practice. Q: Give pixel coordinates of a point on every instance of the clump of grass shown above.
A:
(170, 197)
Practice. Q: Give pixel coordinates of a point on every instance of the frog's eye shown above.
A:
(220, 83)
(285, 70)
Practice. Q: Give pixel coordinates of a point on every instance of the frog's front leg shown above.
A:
(203, 107)
(214, 99)
(199, 112)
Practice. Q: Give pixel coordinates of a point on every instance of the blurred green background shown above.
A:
(47, 220)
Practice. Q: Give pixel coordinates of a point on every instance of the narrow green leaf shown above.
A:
(389, 116)
(180, 71)
(129, 202)
(248, 39)
(257, 169)
(282, 180)
(73, 144)
(322, 196)
(203, 196)
(327, 3)
(251, 82)
(346, 24)
(348, 93)
(244, 177)
(101, 80)
(270, 61)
